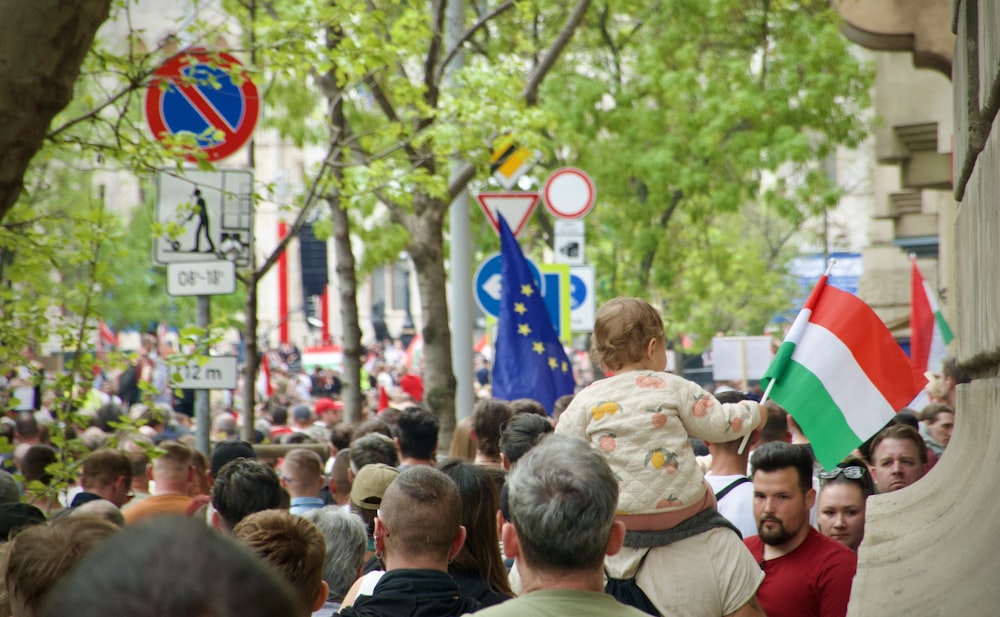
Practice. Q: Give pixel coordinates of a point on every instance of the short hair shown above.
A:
(291, 545)
(36, 459)
(776, 427)
(40, 556)
(279, 415)
(560, 406)
(341, 436)
(902, 432)
(527, 406)
(338, 472)
(932, 411)
(302, 413)
(374, 425)
(245, 486)
(174, 462)
(623, 328)
(865, 483)
(101, 468)
(562, 498)
(422, 511)
(778, 455)
(171, 566)
(229, 450)
(135, 447)
(480, 500)
(305, 462)
(487, 416)
(10, 492)
(373, 448)
(418, 433)
(346, 543)
(26, 425)
(521, 434)
(107, 414)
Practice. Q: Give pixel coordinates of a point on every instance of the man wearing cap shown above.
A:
(302, 418)
(367, 490)
(329, 412)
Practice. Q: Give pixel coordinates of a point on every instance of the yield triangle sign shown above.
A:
(515, 207)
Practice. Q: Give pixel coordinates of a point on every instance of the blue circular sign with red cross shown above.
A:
(206, 96)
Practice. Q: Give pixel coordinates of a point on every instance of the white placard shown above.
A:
(201, 279)
(218, 373)
(583, 302)
(740, 357)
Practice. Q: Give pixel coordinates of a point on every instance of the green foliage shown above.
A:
(704, 124)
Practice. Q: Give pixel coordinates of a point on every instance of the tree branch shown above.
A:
(530, 92)
(468, 35)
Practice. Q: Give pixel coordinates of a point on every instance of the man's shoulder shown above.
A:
(562, 601)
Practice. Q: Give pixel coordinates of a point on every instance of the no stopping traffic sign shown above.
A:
(205, 95)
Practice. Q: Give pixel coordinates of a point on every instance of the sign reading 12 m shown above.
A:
(206, 96)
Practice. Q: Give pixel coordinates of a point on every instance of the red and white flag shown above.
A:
(840, 373)
(929, 332)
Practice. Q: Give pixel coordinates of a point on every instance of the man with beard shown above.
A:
(805, 573)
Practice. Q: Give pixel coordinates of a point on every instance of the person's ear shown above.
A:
(511, 543)
(651, 347)
(149, 472)
(324, 593)
(456, 544)
(472, 434)
(616, 539)
(810, 498)
(504, 461)
(217, 521)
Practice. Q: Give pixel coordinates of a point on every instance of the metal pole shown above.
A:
(461, 250)
(203, 420)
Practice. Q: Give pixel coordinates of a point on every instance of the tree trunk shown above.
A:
(348, 286)
(251, 360)
(427, 251)
(42, 46)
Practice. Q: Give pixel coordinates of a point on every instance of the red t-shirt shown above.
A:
(814, 580)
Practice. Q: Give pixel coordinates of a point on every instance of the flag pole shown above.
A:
(770, 384)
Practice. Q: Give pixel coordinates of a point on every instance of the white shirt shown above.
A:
(737, 505)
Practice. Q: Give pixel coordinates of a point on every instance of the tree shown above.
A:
(42, 45)
(401, 125)
(705, 124)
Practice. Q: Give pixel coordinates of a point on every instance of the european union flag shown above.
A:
(530, 360)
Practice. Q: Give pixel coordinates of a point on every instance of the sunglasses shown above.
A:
(852, 472)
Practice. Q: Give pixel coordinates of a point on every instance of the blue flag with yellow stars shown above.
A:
(530, 360)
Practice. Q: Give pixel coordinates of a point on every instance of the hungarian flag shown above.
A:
(929, 332)
(840, 373)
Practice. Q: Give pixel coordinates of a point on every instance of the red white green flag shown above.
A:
(840, 373)
(929, 332)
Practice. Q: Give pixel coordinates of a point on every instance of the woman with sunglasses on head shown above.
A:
(844, 491)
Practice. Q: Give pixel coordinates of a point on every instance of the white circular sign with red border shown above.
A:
(569, 193)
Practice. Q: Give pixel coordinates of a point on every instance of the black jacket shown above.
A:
(413, 593)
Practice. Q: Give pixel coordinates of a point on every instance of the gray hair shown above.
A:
(346, 542)
(563, 497)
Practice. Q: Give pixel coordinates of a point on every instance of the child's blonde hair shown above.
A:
(623, 328)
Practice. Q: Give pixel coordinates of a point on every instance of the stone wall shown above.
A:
(932, 549)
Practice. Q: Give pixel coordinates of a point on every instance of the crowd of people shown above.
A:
(633, 497)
